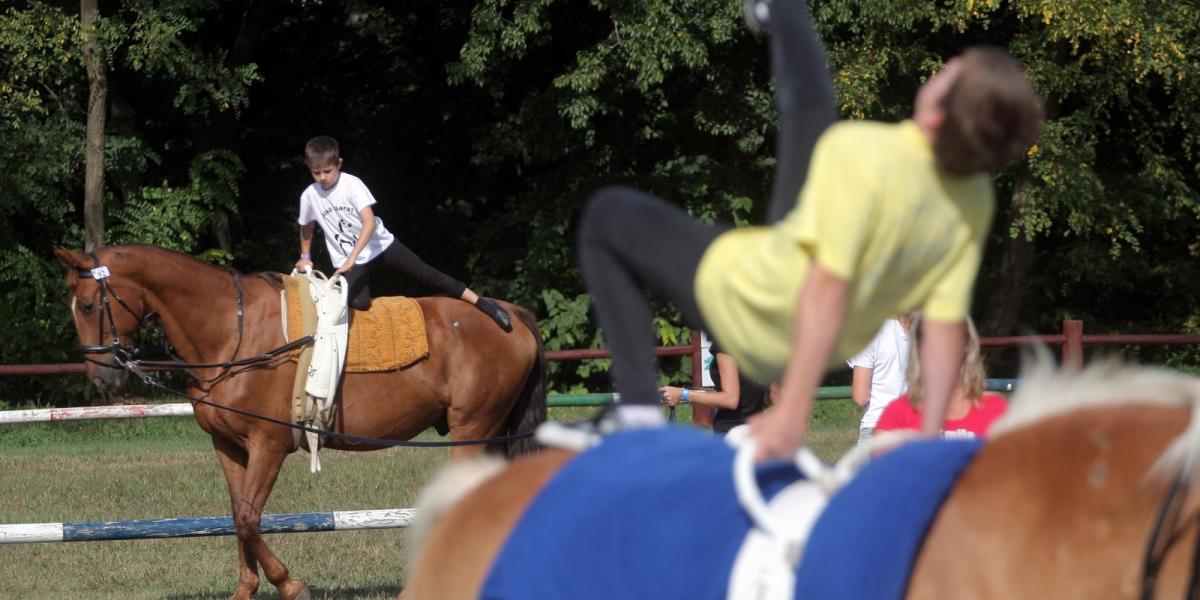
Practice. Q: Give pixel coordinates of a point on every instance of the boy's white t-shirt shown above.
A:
(336, 210)
(887, 357)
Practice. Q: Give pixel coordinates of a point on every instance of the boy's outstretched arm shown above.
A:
(820, 313)
(941, 350)
(367, 216)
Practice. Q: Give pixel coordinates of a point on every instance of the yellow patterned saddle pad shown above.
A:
(388, 336)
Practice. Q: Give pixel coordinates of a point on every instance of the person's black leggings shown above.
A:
(630, 242)
(399, 259)
(804, 96)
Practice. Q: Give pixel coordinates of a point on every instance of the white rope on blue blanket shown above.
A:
(765, 566)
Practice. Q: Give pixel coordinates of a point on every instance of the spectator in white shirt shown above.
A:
(879, 372)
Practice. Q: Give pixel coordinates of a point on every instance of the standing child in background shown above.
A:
(734, 397)
(971, 412)
(880, 372)
(357, 241)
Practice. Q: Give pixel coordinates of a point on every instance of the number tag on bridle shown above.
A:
(100, 272)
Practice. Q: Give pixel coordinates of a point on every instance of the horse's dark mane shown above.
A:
(126, 250)
(275, 280)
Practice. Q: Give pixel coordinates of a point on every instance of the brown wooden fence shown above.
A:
(1070, 342)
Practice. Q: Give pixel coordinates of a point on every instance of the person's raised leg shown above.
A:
(400, 258)
(359, 281)
(630, 242)
(804, 94)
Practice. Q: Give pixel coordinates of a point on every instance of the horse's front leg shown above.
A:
(262, 468)
(233, 463)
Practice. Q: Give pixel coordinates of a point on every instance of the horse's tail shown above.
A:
(530, 410)
(451, 484)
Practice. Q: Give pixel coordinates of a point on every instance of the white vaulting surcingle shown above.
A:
(329, 355)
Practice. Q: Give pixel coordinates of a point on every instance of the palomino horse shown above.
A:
(1086, 489)
(478, 382)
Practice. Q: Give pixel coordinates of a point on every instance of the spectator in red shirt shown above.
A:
(971, 410)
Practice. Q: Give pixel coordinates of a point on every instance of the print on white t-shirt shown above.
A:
(959, 434)
(336, 209)
(887, 357)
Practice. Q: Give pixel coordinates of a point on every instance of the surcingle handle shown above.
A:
(314, 444)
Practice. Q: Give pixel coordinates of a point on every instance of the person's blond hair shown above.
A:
(971, 379)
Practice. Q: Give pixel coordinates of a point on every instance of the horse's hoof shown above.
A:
(294, 589)
(244, 593)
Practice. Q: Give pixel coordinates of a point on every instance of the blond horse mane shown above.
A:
(1046, 391)
(448, 486)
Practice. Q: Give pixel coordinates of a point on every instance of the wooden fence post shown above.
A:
(701, 415)
(1072, 348)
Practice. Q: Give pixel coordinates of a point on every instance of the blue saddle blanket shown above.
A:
(654, 514)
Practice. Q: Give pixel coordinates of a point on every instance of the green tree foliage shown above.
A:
(670, 97)
(43, 102)
(678, 106)
(482, 126)
(1117, 173)
(1101, 221)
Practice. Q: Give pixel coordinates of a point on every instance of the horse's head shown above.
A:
(107, 308)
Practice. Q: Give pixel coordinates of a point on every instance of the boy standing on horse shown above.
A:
(357, 241)
(891, 217)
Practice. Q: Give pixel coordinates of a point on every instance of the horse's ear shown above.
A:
(70, 259)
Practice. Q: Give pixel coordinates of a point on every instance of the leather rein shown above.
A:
(1169, 528)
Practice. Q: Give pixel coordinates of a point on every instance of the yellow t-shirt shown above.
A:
(875, 211)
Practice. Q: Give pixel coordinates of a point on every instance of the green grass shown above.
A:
(834, 428)
(160, 468)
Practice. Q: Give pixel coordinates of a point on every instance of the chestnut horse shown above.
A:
(1086, 489)
(478, 382)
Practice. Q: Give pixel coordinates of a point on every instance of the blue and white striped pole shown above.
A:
(202, 526)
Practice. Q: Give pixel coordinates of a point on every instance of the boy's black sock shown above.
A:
(757, 14)
(496, 312)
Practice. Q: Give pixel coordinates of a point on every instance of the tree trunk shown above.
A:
(1011, 280)
(222, 230)
(93, 186)
(1003, 311)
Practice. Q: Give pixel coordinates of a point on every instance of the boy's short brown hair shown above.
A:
(992, 114)
(320, 151)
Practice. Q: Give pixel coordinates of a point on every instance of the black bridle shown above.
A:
(1169, 528)
(125, 357)
(121, 353)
